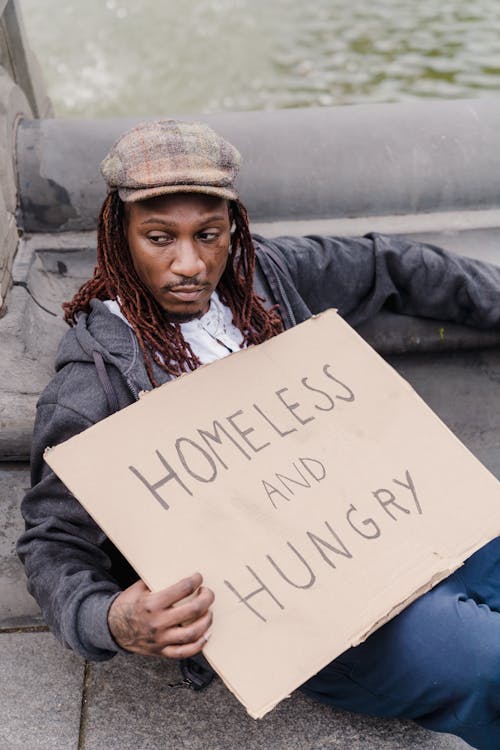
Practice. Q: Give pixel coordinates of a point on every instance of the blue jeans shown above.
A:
(438, 662)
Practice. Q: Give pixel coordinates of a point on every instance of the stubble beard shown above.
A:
(178, 318)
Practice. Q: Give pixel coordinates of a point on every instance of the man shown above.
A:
(180, 282)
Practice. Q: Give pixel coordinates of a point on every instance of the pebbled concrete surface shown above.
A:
(40, 690)
(130, 705)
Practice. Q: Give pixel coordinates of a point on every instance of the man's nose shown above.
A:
(187, 261)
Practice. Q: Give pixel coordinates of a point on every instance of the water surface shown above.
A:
(134, 57)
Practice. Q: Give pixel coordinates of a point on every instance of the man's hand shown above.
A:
(147, 623)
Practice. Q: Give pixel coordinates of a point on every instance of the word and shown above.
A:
(304, 471)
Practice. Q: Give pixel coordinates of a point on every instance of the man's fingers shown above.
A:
(184, 651)
(172, 594)
(185, 614)
(191, 610)
(148, 623)
(180, 635)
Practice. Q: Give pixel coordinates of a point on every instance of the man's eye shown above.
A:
(158, 239)
(208, 236)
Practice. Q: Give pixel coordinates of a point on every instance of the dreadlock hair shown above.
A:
(161, 341)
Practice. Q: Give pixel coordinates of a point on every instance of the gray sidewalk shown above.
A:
(51, 700)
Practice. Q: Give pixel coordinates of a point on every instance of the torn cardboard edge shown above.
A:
(435, 579)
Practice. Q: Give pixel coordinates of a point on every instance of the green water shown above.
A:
(149, 57)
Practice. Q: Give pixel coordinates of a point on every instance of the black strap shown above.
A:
(197, 672)
(106, 383)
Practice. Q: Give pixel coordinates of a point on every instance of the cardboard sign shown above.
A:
(309, 484)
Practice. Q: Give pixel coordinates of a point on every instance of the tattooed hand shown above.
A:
(147, 623)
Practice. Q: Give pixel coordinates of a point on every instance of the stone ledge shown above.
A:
(8, 245)
(408, 158)
(17, 608)
(13, 106)
(24, 372)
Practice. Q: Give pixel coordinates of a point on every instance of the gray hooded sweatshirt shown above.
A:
(73, 570)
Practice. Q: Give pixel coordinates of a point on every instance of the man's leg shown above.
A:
(481, 575)
(438, 662)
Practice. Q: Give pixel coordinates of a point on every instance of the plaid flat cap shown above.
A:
(171, 156)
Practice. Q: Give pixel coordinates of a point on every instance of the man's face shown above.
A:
(179, 246)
